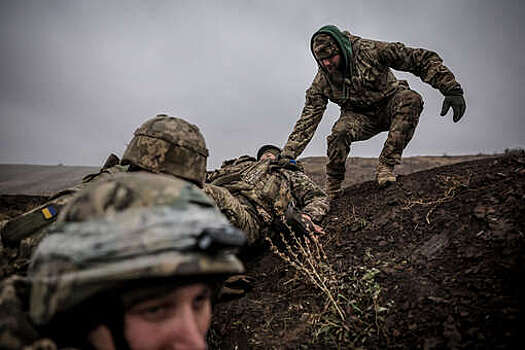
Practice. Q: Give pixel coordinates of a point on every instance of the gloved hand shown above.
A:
(457, 102)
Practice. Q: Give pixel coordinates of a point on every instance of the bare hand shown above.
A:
(318, 229)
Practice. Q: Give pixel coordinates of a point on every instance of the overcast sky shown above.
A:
(78, 77)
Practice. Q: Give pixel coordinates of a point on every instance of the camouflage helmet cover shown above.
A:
(169, 145)
(324, 46)
(80, 259)
(131, 190)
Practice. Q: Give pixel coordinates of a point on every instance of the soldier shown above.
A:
(356, 74)
(133, 263)
(162, 145)
(257, 195)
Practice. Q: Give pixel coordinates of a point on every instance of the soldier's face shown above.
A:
(268, 155)
(331, 64)
(177, 320)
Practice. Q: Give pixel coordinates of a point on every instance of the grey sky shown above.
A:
(77, 77)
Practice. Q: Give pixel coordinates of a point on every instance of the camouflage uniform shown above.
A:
(255, 195)
(128, 228)
(22, 234)
(163, 144)
(372, 100)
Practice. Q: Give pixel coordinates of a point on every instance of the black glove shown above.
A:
(457, 102)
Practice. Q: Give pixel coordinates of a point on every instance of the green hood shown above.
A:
(346, 51)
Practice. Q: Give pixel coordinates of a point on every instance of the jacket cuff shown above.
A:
(455, 91)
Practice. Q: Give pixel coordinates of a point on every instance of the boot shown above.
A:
(333, 187)
(384, 174)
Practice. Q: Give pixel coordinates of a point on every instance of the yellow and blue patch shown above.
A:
(49, 212)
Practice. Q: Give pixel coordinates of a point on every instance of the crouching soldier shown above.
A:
(258, 195)
(356, 73)
(133, 263)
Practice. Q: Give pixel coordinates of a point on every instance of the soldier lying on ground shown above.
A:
(356, 74)
(162, 145)
(257, 194)
(133, 263)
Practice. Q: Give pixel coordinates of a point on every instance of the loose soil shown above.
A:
(448, 247)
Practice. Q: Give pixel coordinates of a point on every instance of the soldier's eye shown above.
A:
(155, 313)
(202, 299)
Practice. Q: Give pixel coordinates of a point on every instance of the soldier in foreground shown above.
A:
(356, 74)
(161, 145)
(259, 195)
(133, 263)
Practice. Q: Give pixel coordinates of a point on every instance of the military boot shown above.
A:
(333, 187)
(384, 174)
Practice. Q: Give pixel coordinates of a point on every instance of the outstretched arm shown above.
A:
(312, 200)
(311, 115)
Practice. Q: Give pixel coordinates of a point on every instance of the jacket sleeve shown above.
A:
(311, 115)
(423, 63)
(217, 173)
(312, 199)
(16, 329)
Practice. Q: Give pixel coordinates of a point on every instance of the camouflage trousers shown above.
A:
(399, 115)
(237, 212)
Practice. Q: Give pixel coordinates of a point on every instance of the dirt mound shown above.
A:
(359, 169)
(435, 261)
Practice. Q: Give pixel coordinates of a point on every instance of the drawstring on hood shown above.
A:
(345, 50)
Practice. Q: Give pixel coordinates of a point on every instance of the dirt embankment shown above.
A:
(436, 261)
(359, 170)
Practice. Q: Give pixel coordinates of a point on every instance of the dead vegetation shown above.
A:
(433, 262)
(353, 307)
(450, 184)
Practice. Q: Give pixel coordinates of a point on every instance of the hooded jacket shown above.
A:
(345, 47)
(369, 81)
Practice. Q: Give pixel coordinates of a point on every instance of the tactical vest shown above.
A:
(263, 184)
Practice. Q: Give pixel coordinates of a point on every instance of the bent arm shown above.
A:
(423, 63)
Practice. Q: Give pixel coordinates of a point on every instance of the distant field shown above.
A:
(39, 180)
(44, 180)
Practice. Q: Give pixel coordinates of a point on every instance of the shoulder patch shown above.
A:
(49, 212)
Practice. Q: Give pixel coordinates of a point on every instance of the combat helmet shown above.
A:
(263, 149)
(129, 228)
(171, 146)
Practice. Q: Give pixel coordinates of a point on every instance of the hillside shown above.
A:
(363, 169)
(436, 261)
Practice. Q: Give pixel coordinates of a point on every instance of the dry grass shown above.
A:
(451, 186)
(352, 310)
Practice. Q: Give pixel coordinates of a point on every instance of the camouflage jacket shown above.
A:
(16, 329)
(270, 188)
(20, 235)
(372, 83)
